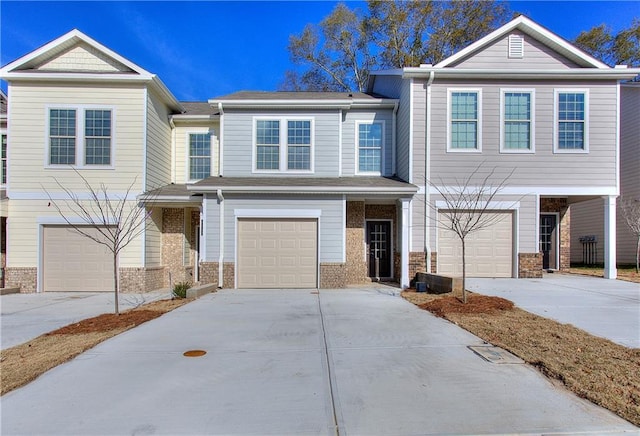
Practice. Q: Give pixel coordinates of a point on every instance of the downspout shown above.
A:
(427, 177)
(221, 241)
(173, 149)
(221, 142)
(393, 138)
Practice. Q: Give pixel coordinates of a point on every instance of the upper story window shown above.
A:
(283, 144)
(199, 156)
(91, 148)
(370, 146)
(571, 121)
(3, 178)
(517, 121)
(464, 120)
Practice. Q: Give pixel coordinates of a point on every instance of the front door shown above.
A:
(548, 237)
(379, 243)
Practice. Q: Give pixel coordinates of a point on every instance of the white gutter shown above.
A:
(394, 121)
(297, 104)
(595, 73)
(221, 140)
(305, 190)
(221, 241)
(173, 150)
(427, 175)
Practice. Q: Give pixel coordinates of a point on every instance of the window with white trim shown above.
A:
(517, 121)
(571, 121)
(370, 146)
(464, 120)
(283, 144)
(3, 175)
(199, 156)
(93, 147)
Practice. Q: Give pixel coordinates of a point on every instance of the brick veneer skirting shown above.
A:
(332, 275)
(24, 278)
(209, 274)
(529, 265)
(142, 279)
(356, 267)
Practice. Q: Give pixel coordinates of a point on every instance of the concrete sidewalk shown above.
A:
(297, 362)
(27, 316)
(605, 308)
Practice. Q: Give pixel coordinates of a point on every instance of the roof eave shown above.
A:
(304, 190)
(611, 73)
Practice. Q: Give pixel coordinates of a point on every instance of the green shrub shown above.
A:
(180, 289)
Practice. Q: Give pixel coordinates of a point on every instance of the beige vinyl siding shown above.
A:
(153, 238)
(238, 142)
(181, 135)
(350, 139)
(158, 143)
(597, 168)
(23, 231)
(83, 57)
(536, 55)
(29, 105)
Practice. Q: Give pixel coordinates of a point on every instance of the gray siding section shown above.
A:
(544, 168)
(419, 131)
(350, 138)
(331, 227)
(238, 142)
(388, 86)
(536, 55)
(403, 129)
(629, 164)
(587, 219)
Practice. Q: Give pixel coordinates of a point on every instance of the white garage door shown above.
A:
(73, 262)
(489, 251)
(277, 253)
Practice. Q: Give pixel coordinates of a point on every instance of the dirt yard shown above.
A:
(596, 369)
(23, 363)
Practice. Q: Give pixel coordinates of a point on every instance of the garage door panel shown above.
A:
(73, 262)
(284, 254)
(489, 251)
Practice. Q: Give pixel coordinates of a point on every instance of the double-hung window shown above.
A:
(370, 146)
(199, 156)
(571, 129)
(517, 121)
(81, 137)
(283, 145)
(3, 179)
(464, 120)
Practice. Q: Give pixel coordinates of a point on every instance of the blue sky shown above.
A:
(204, 49)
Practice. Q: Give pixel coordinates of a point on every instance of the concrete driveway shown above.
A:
(297, 362)
(605, 308)
(26, 316)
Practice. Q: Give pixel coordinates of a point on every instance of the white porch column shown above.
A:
(404, 243)
(610, 271)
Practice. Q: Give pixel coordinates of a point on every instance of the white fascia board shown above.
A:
(492, 205)
(277, 213)
(166, 94)
(302, 190)
(68, 77)
(80, 37)
(187, 117)
(530, 27)
(280, 104)
(578, 74)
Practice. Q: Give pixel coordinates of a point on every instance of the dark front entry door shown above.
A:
(548, 241)
(379, 243)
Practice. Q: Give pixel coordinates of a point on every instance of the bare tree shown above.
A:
(115, 221)
(631, 213)
(467, 206)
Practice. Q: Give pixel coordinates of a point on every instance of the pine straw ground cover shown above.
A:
(23, 363)
(596, 369)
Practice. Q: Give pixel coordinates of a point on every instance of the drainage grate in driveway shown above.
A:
(495, 354)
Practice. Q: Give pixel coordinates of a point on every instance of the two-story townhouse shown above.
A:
(306, 194)
(3, 181)
(587, 225)
(528, 105)
(77, 108)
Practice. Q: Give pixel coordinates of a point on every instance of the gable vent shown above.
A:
(516, 47)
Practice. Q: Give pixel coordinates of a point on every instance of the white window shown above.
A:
(463, 128)
(571, 127)
(517, 128)
(283, 145)
(370, 147)
(80, 137)
(3, 169)
(199, 156)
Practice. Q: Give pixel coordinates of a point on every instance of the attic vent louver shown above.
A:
(516, 47)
